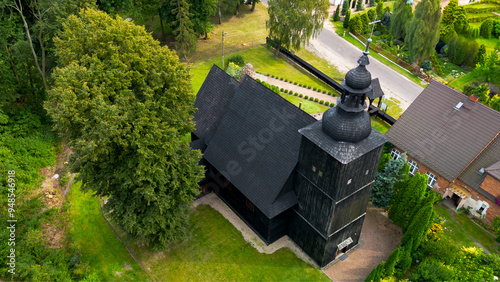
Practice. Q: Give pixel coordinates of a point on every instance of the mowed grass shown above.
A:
(98, 244)
(460, 230)
(380, 125)
(244, 31)
(264, 62)
(307, 106)
(216, 251)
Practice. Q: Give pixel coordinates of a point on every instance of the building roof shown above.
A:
(376, 90)
(256, 145)
(494, 169)
(486, 160)
(212, 102)
(443, 134)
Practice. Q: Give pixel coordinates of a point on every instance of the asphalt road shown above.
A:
(344, 56)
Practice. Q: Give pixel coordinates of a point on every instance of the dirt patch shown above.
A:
(379, 237)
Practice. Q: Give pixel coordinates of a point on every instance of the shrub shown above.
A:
(295, 83)
(330, 93)
(376, 33)
(272, 75)
(311, 98)
(306, 97)
(291, 92)
(324, 91)
(486, 28)
(258, 80)
(321, 102)
(300, 95)
(332, 105)
(267, 74)
(286, 90)
(426, 65)
(316, 100)
(437, 66)
(314, 89)
(234, 70)
(327, 103)
(296, 94)
(300, 85)
(336, 16)
(286, 79)
(281, 78)
(462, 51)
(308, 87)
(237, 59)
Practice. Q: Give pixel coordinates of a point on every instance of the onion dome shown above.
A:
(358, 78)
(346, 126)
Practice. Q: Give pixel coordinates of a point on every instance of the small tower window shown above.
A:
(314, 169)
(320, 173)
(367, 171)
(349, 181)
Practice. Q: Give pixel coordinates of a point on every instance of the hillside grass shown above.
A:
(99, 245)
(216, 251)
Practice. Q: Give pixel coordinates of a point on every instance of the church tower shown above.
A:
(338, 161)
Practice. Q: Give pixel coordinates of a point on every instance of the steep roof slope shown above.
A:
(257, 143)
(485, 160)
(444, 138)
(212, 101)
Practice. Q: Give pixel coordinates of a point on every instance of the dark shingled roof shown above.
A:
(344, 152)
(442, 137)
(258, 115)
(212, 102)
(376, 90)
(486, 159)
(494, 170)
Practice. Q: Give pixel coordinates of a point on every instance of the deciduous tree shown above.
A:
(124, 105)
(292, 24)
(423, 30)
(400, 19)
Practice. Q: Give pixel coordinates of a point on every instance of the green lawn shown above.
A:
(309, 107)
(216, 251)
(98, 244)
(393, 108)
(380, 125)
(459, 229)
(263, 61)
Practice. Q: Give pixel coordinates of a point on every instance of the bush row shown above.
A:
(322, 102)
(301, 85)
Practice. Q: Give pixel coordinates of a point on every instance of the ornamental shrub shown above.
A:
(286, 79)
(316, 100)
(291, 92)
(437, 66)
(295, 83)
(306, 97)
(426, 65)
(300, 95)
(324, 91)
(321, 102)
(237, 59)
(286, 90)
(336, 16)
(327, 103)
(486, 28)
(314, 89)
(311, 98)
(308, 87)
(296, 94)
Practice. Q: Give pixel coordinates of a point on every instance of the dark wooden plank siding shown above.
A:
(349, 209)
(306, 237)
(353, 230)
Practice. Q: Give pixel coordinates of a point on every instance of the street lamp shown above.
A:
(223, 33)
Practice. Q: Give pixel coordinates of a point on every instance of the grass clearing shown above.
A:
(460, 229)
(307, 106)
(380, 125)
(216, 251)
(263, 61)
(98, 243)
(393, 108)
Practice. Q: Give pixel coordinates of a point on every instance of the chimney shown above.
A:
(473, 98)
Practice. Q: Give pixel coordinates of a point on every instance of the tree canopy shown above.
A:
(400, 19)
(423, 30)
(124, 105)
(292, 24)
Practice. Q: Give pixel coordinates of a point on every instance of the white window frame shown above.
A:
(395, 154)
(413, 167)
(431, 179)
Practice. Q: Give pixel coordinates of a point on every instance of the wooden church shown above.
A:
(282, 171)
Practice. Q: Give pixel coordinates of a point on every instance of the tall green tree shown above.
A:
(481, 55)
(400, 19)
(347, 19)
(124, 105)
(405, 255)
(345, 7)
(360, 6)
(336, 16)
(384, 182)
(185, 36)
(423, 30)
(292, 24)
(411, 195)
(391, 262)
(376, 273)
(449, 12)
(419, 226)
(202, 12)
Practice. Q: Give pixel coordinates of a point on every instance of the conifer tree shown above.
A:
(384, 182)
(449, 12)
(185, 37)
(412, 195)
(383, 162)
(336, 17)
(405, 255)
(376, 274)
(391, 262)
(481, 55)
(347, 19)
(380, 9)
(423, 30)
(345, 7)
(360, 6)
(419, 226)
(400, 19)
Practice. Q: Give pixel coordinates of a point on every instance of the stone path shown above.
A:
(296, 88)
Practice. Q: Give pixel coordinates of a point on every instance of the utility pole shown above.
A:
(223, 33)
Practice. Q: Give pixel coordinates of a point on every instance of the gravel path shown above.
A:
(379, 237)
